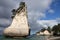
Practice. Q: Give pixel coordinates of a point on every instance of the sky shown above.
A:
(41, 13)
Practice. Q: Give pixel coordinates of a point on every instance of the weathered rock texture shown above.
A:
(19, 26)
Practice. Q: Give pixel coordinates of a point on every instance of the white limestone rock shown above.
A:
(19, 26)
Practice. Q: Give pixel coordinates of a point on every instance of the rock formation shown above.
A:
(19, 26)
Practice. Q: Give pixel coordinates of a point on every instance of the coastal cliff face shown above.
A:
(19, 26)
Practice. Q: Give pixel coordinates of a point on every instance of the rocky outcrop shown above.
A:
(19, 26)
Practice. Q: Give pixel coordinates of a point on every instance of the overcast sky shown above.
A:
(41, 13)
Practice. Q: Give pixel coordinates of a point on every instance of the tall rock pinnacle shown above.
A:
(19, 26)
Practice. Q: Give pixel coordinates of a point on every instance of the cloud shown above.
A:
(6, 6)
(37, 8)
(51, 23)
(50, 11)
(5, 22)
(58, 20)
(1, 28)
(8, 3)
(46, 23)
(38, 4)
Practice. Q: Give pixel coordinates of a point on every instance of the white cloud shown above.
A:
(46, 23)
(35, 15)
(40, 4)
(37, 8)
(51, 11)
(58, 20)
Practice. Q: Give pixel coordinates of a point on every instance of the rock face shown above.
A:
(19, 26)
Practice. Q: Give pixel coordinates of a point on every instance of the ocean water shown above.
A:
(35, 37)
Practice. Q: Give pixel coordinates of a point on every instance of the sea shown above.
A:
(32, 37)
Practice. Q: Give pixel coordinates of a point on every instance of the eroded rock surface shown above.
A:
(19, 26)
